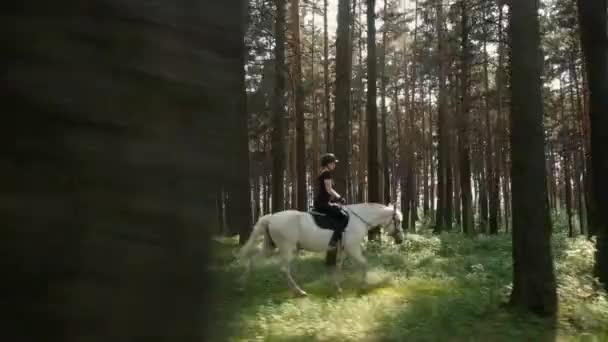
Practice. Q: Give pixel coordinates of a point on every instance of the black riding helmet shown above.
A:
(328, 158)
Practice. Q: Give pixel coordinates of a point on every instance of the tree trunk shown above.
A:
(241, 186)
(463, 141)
(329, 138)
(581, 165)
(293, 199)
(568, 192)
(572, 167)
(500, 146)
(279, 123)
(592, 15)
(315, 115)
(583, 105)
(433, 187)
(534, 284)
(109, 165)
(256, 198)
(402, 161)
(267, 192)
(268, 161)
(372, 112)
(493, 185)
(444, 219)
(300, 155)
(220, 212)
(315, 142)
(578, 191)
(456, 194)
(411, 169)
(343, 74)
(362, 116)
(426, 157)
(343, 63)
(491, 167)
(386, 186)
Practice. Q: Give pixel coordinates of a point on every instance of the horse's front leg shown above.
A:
(287, 257)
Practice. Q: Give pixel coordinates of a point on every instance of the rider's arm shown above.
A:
(330, 189)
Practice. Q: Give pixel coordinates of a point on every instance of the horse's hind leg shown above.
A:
(356, 254)
(245, 277)
(250, 264)
(286, 258)
(337, 273)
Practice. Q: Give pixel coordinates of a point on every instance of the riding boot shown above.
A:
(334, 239)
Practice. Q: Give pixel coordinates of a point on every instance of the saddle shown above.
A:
(324, 221)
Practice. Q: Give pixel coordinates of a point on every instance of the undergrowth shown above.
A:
(430, 288)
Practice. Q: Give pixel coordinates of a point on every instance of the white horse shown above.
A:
(291, 228)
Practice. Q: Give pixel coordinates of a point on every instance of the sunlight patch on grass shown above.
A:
(351, 317)
(431, 288)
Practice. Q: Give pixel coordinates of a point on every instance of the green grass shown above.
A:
(430, 288)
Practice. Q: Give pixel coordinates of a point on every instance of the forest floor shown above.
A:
(430, 288)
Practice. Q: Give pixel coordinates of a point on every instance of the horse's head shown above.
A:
(393, 228)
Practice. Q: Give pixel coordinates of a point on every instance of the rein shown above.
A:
(357, 215)
(369, 225)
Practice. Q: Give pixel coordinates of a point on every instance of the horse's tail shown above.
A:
(260, 228)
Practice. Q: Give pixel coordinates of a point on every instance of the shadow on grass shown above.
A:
(460, 314)
(459, 296)
(472, 279)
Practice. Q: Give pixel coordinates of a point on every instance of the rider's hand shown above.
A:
(341, 200)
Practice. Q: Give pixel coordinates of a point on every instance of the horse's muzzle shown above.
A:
(398, 237)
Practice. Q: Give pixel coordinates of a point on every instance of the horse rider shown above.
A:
(326, 196)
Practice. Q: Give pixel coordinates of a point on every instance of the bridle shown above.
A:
(396, 227)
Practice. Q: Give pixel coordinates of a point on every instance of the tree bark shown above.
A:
(444, 218)
(463, 141)
(113, 149)
(267, 192)
(329, 138)
(362, 117)
(300, 155)
(592, 19)
(568, 191)
(386, 186)
(315, 115)
(534, 284)
(426, 157)
(279, 122)
(343, 65)
(343, 75)
(580, 163)
(490, 155)
(241, 185)
(433, 186)
(402, 163)
(372, 112)
(501, 146)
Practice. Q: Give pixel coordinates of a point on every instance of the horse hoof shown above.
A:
(296, 293)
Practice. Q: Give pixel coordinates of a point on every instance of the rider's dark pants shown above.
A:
(334, 212)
